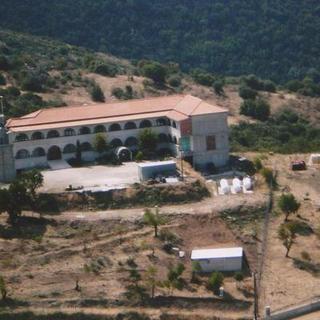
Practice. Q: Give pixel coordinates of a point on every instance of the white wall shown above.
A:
(221, 264)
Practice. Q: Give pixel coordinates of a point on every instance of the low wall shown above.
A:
(295, 312)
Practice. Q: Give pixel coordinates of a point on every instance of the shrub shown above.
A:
(3, 81)
(247, 93)
(4, 63)
(96, 93)
(257, 164)
(218, 87)
(269, 177)
(118, 92)
(294, 85)
(202, 77)
(139, 156)
(305, 255)
(269, 86)
(258, 109)
(155, 71)
(104, 70)
(215, 281)
(238, 276)
(174, 81)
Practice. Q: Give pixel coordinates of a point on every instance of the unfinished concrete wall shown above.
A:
(7, 167)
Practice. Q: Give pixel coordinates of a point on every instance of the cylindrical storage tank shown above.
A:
(247, 183)
(123, 154)
(225, 188)
(236, 185)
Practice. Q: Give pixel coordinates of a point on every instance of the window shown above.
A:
(53, 134)
(22, 137)
(37, 136)
(69, 132)
(84, 130)
(161, 122)
(115, 127)
(115, 143)
(131, 141)
(174, 125)
(38, 152)
(145, 124)
(130, 125)
(100, 128)
(22, 154)
(69, 148)
(211, 143)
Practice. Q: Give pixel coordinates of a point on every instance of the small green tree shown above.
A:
(287, 233)
(196, 268)
(100, 144)
(247, 93)
(147, 140)
(288, 204)
(174, 277)
(153, 219)
(218, 87)
(269, 177)
(151, 278)
(215, 281)
(3, 288)
(155, 71)
(96, 93)
(32, 180)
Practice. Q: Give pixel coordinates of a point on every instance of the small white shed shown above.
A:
(149, 170)
(222, 259)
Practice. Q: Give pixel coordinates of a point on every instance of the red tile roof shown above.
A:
(176, 107)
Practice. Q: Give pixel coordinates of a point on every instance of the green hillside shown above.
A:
(274, 39)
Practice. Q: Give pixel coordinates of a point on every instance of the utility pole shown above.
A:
(181, 159)
(254, 274)
(1, 104)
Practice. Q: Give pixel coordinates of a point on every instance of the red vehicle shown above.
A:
(298, 165)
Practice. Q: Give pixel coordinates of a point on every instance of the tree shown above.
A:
(174, 277)
(151, 277)
(78, 152)
(258, 109)
(96, 93)
(218, 87)
(3, 288)
(153, 219)
(247, 93)
(196, 268)
(269, 177)
(215, 281)
(288, 204)
(100, 144)
(32, 180)
(147, 140)
(155, 71)
(287, 233)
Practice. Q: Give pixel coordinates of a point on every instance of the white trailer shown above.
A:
(150, 170)
(222, 259)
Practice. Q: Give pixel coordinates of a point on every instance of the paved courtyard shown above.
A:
(93, 178)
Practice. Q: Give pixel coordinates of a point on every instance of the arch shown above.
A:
(170, 140)
(53, 134)
(22, 154)
(115, 143)
(174, 124)
(38, 152)
(131, 142)
(84, 130)
(100, 128)
(69, 132)
(115, 127)
(37, 135)
(22, 137)
(123, 154)
(175, 141)
(161, 122)
(145, 124)
(130, 125)
(54, 153)
(86, 146)
(69, 148)
(162, 138)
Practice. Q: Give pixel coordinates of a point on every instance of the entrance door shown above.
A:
(54, 153)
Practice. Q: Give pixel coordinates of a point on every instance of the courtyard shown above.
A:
(90, 178)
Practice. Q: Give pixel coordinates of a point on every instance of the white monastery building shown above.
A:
(182, 122)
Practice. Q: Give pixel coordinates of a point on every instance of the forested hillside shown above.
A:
(274, 39)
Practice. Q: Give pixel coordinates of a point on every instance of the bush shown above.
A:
(269, 86)
(257, 109)
(294, 85)
(202, 77)
(218, 87)
(104, 70)
(139, 156)
(4, 63)
(96, 93)
(215, 281)
(174, 81)
(257, 164)
(269, 177)
(238, 276)
(247, 93)
(155, 71)
(305, 256)
(3, 81)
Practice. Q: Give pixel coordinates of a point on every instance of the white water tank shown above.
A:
(247, 183)
(225, 188)
(236, 185)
